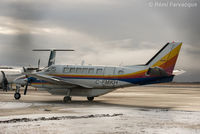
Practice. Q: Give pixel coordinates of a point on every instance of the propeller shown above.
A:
(4, 82)
(38, 68)
(24, 69)
(26, 87)
(39, 64)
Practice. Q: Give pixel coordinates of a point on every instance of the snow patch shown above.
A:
(16, 105)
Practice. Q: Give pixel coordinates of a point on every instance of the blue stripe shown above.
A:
(140, 81)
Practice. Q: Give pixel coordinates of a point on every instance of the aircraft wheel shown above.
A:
(67, 99)
(17, 96)
(90, 98)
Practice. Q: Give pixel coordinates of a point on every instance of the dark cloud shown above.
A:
(22, 10)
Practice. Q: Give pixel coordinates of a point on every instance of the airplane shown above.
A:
(92, 81)
(9, 74)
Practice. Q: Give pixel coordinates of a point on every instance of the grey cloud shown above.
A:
(22, 10)
(124, 28)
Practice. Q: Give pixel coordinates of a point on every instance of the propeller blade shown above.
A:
(24, 69)
(39, 64)
(3, 74)
(25, 90)
(4, 82)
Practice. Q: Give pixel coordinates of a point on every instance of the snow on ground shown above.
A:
(129, 121)
(15, 105)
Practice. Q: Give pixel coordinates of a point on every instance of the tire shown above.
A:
(67, 99)
(17, 96)
(90, 98)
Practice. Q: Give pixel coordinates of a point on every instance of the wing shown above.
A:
(57, 80)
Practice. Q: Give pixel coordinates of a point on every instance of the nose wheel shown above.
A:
(67, 99)
(17, 96)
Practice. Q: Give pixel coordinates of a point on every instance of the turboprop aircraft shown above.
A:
(93, 81)
(7, 75)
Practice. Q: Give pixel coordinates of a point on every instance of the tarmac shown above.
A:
(154, 109)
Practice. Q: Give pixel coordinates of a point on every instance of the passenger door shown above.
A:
(109, 77)
(108, 71)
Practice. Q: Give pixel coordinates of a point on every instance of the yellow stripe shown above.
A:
(170, 55)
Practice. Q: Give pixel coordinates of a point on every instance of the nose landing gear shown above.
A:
(17, 95)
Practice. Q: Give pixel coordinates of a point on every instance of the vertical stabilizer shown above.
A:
(166, 57)
(52, 57)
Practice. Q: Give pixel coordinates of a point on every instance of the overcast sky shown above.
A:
(103, 32)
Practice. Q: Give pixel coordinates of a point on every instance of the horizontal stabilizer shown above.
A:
(52, 50)
(178, 72)
(52, 54)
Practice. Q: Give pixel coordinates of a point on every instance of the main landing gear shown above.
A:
(67, 99)
(90, 98)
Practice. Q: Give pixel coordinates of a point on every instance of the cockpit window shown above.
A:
(51, 69)
(47, 70)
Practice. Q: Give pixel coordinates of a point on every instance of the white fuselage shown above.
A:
(98, 79)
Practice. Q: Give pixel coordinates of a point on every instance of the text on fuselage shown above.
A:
(107, 82)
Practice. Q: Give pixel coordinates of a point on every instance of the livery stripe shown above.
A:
(168, 56)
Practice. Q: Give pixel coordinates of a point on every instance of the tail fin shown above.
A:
(166, 57)
(52, 57)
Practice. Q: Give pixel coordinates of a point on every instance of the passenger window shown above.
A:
(91, 70)
(120, 72)
(78, 70)
(72, 70)
(85, 70)
(99, 71)
(66, 70)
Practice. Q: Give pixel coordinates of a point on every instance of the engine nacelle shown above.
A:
(1, 77)
(156, 71)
